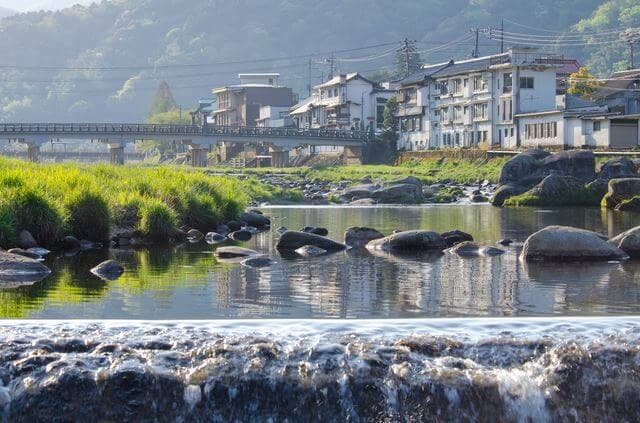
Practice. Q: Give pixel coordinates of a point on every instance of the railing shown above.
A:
(16, 129)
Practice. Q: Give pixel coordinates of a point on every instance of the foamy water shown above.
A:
(303, 370)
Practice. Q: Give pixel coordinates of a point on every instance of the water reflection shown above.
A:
(187, 282)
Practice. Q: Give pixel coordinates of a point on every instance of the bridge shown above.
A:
(199, 139)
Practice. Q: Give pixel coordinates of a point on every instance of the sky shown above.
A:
(31, 5)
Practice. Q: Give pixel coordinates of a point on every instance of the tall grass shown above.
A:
(88, 200)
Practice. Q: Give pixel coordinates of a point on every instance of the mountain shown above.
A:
(104, 61)
(36, 5)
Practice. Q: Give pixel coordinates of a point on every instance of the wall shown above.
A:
(540, 141)
(543, 96)
(624, 134)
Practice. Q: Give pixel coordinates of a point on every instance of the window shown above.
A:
(485, 136)
(507, 82)
(506, 132)
(457, 114)
(457, 86)
(596, 126)
(526, 82)
(457, 138)
(466, 82)
(479, 84)
(480, 111)
(335, 92)
(445, 114)
(555, 129)
(380, 116)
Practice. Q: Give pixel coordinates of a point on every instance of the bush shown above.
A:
(157, 221)
(201, 213)
(34, 213)
(87, 216)
(8, 232)
(126, 211)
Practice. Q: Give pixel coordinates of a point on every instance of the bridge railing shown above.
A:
(177, 130)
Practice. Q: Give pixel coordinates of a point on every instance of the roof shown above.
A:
(452, 68)
(303, 107)
(619, 81)
(338, 79)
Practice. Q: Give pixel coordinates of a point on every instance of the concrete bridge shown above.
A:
(199, 139)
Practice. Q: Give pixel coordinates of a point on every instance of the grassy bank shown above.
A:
(429, 171)
(86, 201)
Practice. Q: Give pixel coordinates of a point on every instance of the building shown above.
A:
(476, 101)
(569, 66)
(239, 105)
(274, 117)
(346, 101)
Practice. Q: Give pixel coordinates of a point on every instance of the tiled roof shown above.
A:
(452, 68)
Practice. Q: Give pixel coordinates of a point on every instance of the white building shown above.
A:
(344, 102)
(475, 101)
(274, 117)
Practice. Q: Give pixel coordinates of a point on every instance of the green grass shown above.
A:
(87, 200)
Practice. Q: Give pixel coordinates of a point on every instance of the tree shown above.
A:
(163, 100)
(582, 83)
(164, 118)
(384, 151)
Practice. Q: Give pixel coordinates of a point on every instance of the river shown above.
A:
(352, 336)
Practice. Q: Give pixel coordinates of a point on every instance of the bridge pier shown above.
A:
(33, 153)
(352, 156)
(199, 156)
(117, 153)
(279, 158)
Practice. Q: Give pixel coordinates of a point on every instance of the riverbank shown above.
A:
(90, 202)
(452, 178)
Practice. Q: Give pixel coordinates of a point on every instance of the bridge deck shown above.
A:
(147, 131)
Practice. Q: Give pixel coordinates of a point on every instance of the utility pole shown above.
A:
(476, 50)
(632, 37)
(407, 57)
(332, 65)
(309, 84)
(502, 36)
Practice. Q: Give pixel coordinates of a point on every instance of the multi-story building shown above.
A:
(476, 101)
(274, 117)
(239, 105)
(347, 101)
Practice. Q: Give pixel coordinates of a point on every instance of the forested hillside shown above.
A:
(105, 61)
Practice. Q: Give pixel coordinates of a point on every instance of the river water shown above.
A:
(352, 336)
(187, 282)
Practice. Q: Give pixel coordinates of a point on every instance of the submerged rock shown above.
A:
(42, 252)
(465, 249)
(70, 242)
(257, 262)
(310, 251)
(409, 241)
(491, 251)
(505, 242)
(23, 253)
(108, 270)
(234, 252)
(563, 243)
(292, 240)
(359, 237)
(364, 202)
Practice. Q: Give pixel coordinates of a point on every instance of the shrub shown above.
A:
(157, 221)
(126, 211)
(34, 213)
(87, 216)
(201, 213)
(8, 232)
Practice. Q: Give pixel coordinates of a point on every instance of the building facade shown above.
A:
(475, 102)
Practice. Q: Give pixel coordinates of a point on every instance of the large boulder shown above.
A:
(620, 167)
(292, 240)
(522, 167)
(628, 241)
(360, 191)
(400, 194)
(410, 180)
(315, 230)
(560, 190)
(455, 237)
(580, 164)
(409, 241)
(358, 237)
(563, 243)
(504, 192)
(13, 265)
(255, 219)
(621, 190)
(108, 270)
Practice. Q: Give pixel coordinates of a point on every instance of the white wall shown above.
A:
(543, 96)
(539, 140)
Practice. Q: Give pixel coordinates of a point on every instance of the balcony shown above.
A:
(340, 120)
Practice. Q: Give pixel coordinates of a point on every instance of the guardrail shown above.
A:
(177, 130)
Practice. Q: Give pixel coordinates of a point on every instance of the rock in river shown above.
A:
(15, 266)
(563, 243)
(213, 238)
(235, 252)
(23, 253)
(26, 240)
(292, 240)
(71, 243)
(241, 235)
(195, 235)
(310, 251)
(628, 241)
(452, 238)
(466, 249)
(409, 241)
(316, 231)
(621, 190)
(359, 237)
(257, 262)
(254, 219)
(400, 193)
(108, 270)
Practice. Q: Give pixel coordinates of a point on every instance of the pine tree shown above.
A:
(163, 100)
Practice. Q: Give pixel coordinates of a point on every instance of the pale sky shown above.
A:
(30, 5)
